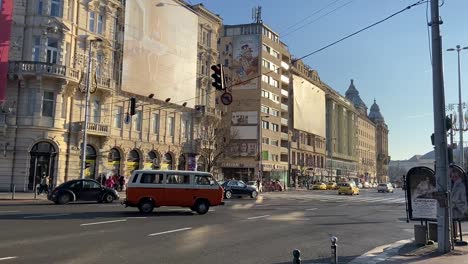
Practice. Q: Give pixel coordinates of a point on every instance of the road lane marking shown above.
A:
(40, 216)
(212, 210)
(256, 217)
(7, 212)
(7, 258)
(311, 209)
(137, 217)
(343, 205)
(104, 222)
(170, 231)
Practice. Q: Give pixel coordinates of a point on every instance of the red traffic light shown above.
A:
(218, 77)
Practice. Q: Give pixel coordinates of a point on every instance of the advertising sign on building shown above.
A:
(6, 19)
(244, 118)
(244, 149)
(421, 189)
(245, 61)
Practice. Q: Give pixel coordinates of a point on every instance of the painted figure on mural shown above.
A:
(458, 194)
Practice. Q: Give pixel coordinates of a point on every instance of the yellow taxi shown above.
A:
(348, 188)
(332, 186)
(319, 186)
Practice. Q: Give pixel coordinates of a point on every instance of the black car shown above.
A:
(82, 190)
(238, 188)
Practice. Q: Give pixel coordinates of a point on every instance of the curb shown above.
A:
(381, 253)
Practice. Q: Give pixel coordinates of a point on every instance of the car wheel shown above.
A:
(64, 198)
(339, 193)
(146, 207)
(108, 198)
(202, 207)
(228, 194)
(254, 194)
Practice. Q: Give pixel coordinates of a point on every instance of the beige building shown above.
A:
(308, 145)
(257, 67)
(381, 137)
(366, 138)
(48, 59)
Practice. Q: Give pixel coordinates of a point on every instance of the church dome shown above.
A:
(352, 94)
(375, 114)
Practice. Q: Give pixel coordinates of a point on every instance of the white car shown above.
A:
(385, 187)
(252, 184)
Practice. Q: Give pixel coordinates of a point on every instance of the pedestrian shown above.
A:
(258, 185)
(110, 182)
(122, 182)
(43, 184)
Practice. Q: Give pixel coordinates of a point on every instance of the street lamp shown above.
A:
(260, 143)
(85, 125)
(460, 111)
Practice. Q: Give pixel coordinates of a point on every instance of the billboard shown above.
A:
(243, 149)
(244, 118)
(309, 107)
(420, 188)
(160, 50)
(6, 19)
(245, 67)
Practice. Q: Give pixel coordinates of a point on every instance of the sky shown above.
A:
(389, 62)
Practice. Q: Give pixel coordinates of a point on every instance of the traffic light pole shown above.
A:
(440, 132)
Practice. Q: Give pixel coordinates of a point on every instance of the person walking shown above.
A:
(121, 183)
(110, 182)
(43, 184)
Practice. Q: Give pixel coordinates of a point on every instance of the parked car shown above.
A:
(319, 186)
(252, 184)
(348, 188)
(82, 190)
(366, 185)
(332, 186)
(385, 187)
(238, 188)
(359, 185)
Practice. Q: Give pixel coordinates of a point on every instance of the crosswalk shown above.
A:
(344, 198)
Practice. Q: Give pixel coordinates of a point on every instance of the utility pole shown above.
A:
(440, 132)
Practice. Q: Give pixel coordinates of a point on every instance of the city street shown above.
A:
(242, 231)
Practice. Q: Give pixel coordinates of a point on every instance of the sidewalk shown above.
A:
(406, 251)
(28, 197)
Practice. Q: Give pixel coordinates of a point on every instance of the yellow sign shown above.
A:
(132, 165)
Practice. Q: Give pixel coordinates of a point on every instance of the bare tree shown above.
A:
(216, 139)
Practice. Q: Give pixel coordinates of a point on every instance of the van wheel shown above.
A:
(228, 194)
(202, 207)
(146, 207)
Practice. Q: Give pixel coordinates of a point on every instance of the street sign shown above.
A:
(226, 98)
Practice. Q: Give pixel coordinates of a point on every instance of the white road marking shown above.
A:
(311, 209)
(7, 258)
(343, 205)
(256, 217)
(324, 200)
(137, 217)
(170, 231)
(212, 210)
(40, 216)
(7, 212)
(104, 222)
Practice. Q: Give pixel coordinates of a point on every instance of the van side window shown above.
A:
(203, 180)
(135, 177)
(178, 179)
(151, 178)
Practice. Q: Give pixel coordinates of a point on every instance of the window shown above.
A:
(118, 117)
(227, 48)
(155, 123)
(178, 179)
(274, 112)
(274, 142)
(170, 126)
(91, 185)
(138, 121)
(96, 112)
(265, 140)
(52, 50)
(186, 129)
(275, 98)
(48, 104)
(99, 62)
(150, 178)
(265, 124)
(55, 8)
(266, 48)
(274, 127)
(36, 48)
(203, 180)
(265, 109)
(274, 157)
(265, 94)
(100, 24)
(266, 64)
(70, 10)
(265, 79)
(92, 18)
(40, 7)
(274, 83)
(226, 63)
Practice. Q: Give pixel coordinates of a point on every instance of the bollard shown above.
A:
(334, 250)
(13, 190)
(296, 256)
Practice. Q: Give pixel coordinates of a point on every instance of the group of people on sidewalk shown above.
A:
(269, 186)
(115, 181)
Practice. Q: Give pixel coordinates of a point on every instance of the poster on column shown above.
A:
(458, 191)
(421, 187)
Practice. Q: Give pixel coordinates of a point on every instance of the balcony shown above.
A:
(33, 68)
(284, 107)
(96, 129)
(284, 92)
(284, 65)
(284, 150)
(102, 83)
(284, 136)
(284, 121)
(285, 79)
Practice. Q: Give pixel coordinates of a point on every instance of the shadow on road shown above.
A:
(341, 259)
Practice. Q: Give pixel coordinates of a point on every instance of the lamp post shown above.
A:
(260, 143)
(460, 111)
(85, 125)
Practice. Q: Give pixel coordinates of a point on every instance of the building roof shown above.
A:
(352, 94)
(375, 114)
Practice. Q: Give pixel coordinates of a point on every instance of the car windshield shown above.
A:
(383, 185)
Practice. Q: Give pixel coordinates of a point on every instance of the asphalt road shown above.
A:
(265, 230)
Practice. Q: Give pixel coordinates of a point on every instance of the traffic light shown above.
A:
(132, 106)
(218, 77)
(448, 123)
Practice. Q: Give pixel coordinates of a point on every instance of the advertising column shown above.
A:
(6, 18)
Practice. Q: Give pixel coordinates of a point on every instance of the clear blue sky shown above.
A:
(389, 62)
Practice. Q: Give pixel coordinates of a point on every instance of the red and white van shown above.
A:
(196, 190)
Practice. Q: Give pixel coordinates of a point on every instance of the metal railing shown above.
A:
(34, 67)
(96, 129)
